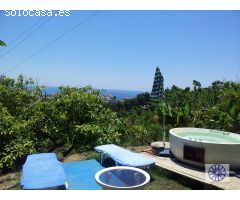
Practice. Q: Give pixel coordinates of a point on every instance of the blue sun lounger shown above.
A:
(123, 156)
(42, 171)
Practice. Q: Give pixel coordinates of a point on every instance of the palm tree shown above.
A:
(2, 43)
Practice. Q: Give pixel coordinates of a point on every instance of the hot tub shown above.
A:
(197, 146)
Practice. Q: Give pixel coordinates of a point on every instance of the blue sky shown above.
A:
(121, 49)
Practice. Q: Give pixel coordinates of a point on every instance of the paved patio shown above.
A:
(175, 166)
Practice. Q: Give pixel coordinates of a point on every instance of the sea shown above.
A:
(120, 94)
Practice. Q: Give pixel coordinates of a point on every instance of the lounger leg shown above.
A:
(101, 158)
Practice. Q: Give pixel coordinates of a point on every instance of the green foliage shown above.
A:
(139, 133)
(226, 114)
(75, 119)
(214, 107)
(14, 139)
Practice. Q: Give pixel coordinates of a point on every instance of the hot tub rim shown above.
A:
(213, 143)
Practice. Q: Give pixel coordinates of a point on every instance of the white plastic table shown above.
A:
(122, 178)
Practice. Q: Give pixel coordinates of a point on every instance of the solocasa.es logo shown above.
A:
(217, 172)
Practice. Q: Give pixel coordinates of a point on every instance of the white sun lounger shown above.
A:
(123, 156)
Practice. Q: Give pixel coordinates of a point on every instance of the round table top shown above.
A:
(122, 177)
(157, 145)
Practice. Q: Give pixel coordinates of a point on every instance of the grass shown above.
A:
(10, 181)
(165, 180)
(161, 179)
(82, 156)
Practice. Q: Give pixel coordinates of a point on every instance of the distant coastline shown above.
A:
(119, 94)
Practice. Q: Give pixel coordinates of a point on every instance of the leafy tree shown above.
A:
(76, 119)
(216, 107)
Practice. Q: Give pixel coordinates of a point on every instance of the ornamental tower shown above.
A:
(158, 87)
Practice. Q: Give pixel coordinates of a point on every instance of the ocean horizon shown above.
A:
(120, 94)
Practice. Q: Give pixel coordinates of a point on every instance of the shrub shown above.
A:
(74, 119)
